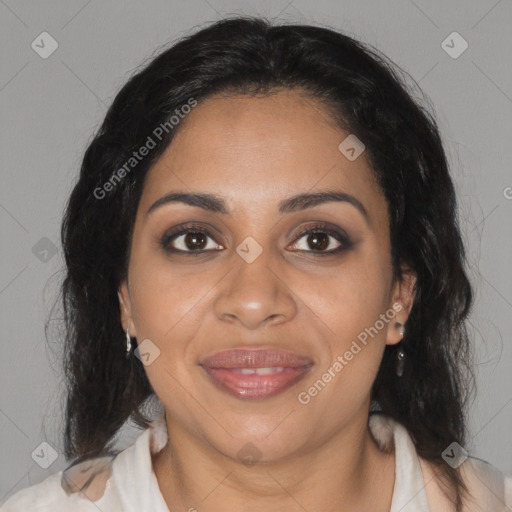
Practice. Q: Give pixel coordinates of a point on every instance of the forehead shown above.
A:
(256, 150)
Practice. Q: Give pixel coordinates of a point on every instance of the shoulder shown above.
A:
(75, 489)
(97, 483)
(39, 497)
(489, 488)
(487, 485)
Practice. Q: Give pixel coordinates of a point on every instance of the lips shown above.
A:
(255, 374)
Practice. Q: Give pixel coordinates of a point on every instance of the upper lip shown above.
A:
(255, 358)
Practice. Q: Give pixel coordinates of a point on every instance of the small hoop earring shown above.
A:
(401, 363)
(128, 343)
(400, 358)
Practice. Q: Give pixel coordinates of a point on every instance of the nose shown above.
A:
(256, 294)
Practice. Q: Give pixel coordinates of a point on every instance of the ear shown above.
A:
(125, 306)
(402, 300)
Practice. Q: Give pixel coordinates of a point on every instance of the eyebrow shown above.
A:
(299, 202)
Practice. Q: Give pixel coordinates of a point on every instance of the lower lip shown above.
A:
(255, 386)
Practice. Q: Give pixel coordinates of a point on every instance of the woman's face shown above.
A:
(245, 278)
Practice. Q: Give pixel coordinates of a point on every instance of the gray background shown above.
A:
(50, 108)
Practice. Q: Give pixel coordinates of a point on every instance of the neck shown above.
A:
(348, 468)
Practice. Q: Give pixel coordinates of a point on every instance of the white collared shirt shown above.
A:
(126, 482)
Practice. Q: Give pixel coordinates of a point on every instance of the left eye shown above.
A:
(321, 240)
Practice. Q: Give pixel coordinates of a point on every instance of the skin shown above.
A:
(255, 152)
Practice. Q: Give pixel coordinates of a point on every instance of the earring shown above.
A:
(400, 359)
(128, 343)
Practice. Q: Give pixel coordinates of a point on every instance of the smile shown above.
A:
(255, 383)
(255, 374)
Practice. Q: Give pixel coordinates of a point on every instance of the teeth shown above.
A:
(260, 371)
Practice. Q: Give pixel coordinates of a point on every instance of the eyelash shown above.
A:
(339, 236)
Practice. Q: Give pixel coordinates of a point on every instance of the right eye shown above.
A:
(189, 240)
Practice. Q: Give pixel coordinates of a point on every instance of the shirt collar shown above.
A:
(409, 493)
(133, 473)
(139, 490)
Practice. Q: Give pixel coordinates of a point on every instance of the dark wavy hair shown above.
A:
(367, 95)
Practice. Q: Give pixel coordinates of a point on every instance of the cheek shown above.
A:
(351, 307)
(165, 305)
(161, 293)
(168, 310)
(351, 298)
(341, 385)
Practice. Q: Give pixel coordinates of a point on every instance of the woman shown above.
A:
(264, 240)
